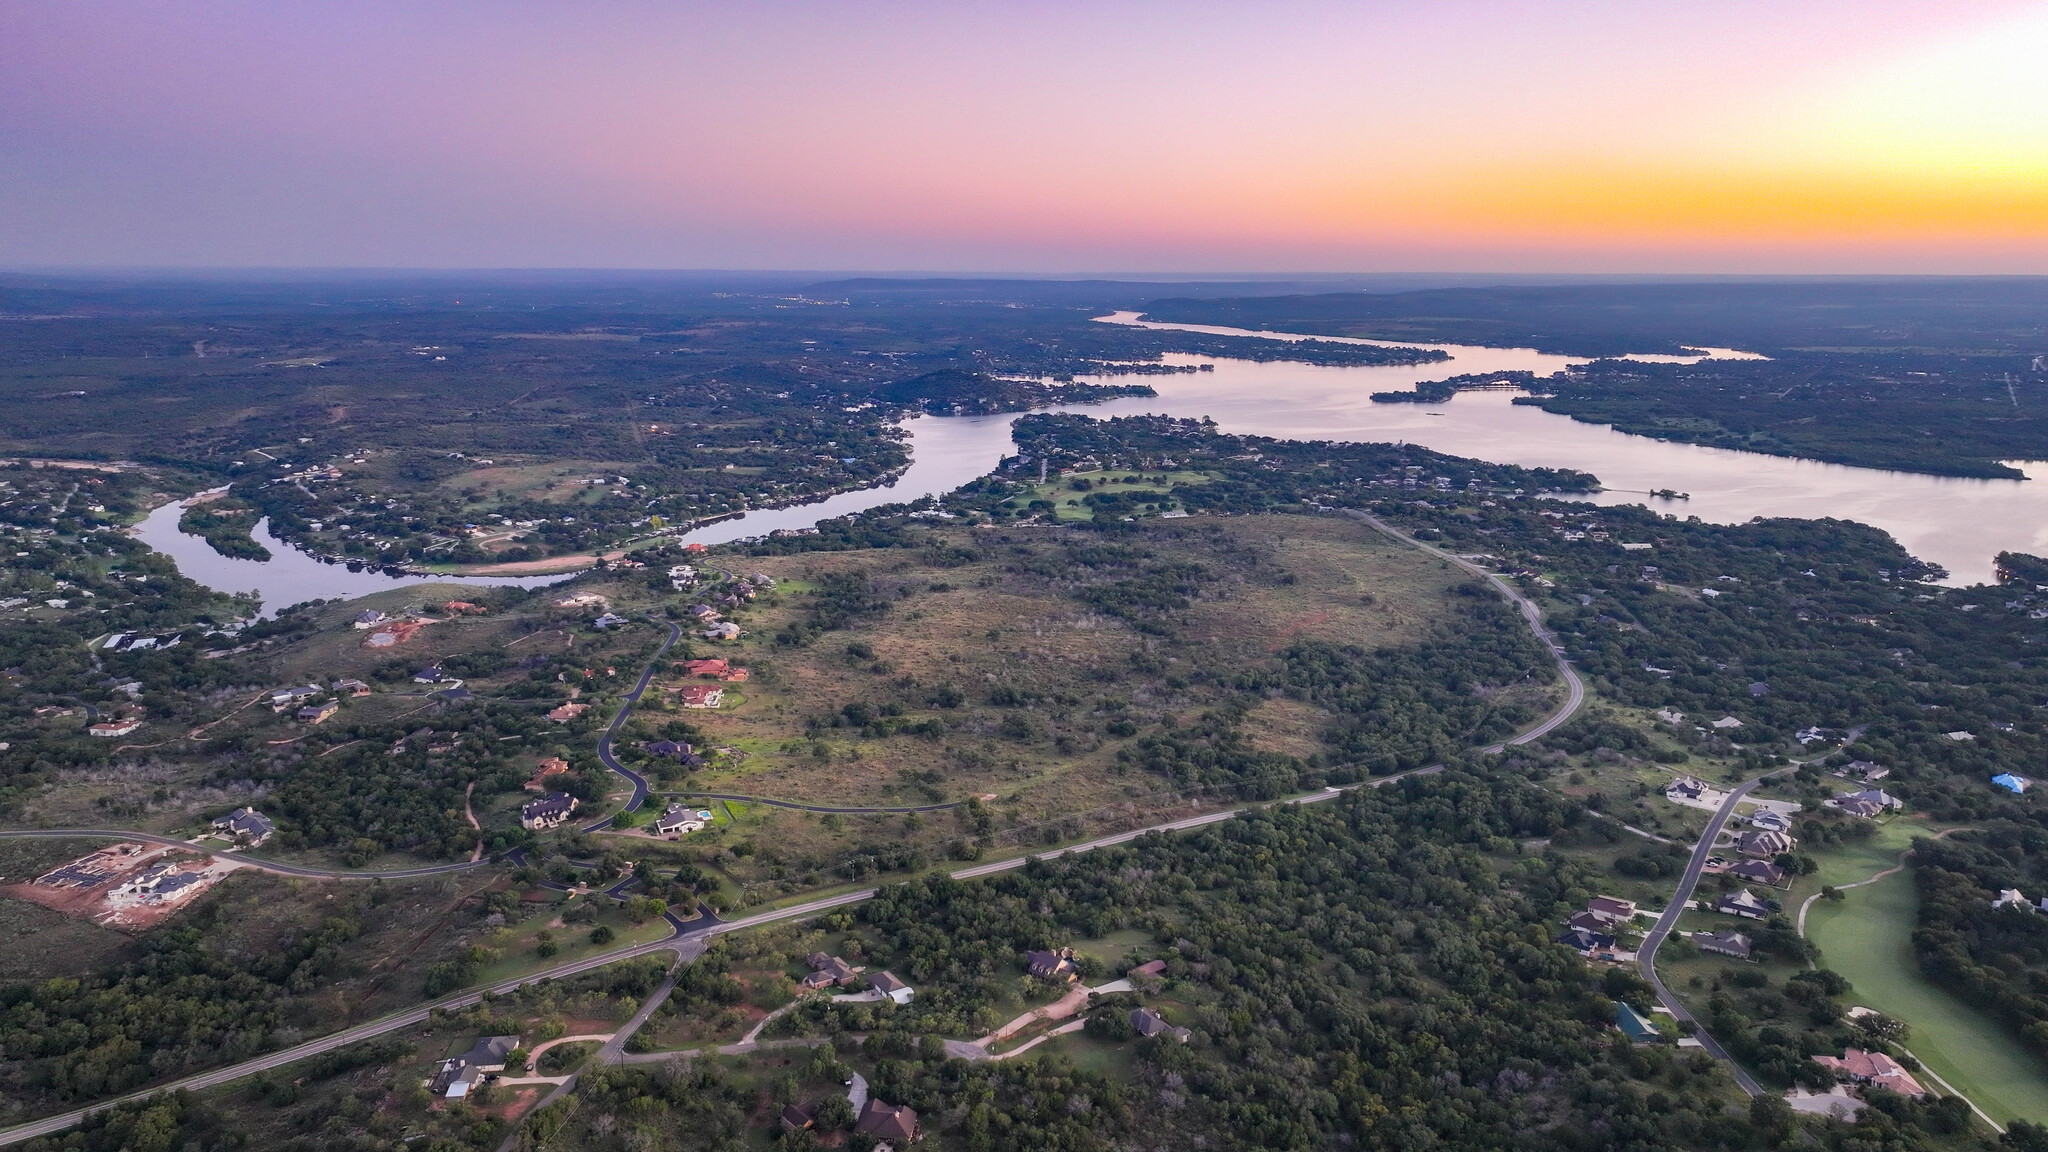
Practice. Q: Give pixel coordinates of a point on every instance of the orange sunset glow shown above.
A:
(1603, 137)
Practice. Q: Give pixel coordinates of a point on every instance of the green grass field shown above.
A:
(1867, 937)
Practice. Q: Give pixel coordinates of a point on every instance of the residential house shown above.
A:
(455, 1078)
(1879, 797)
(159, 882)
(1872, 1068)
(1742, 902)
(1764, 845)
(677, 820)
(704, 614)
(1727, 722)
(712, 667)
(1612, 908)
(1725, 943)
(284, 698)
(828, 971)
(369, 618)
(1770, 820)
(568, 712)
(895, 1123)
(666, 749)
(316, 713)
(1150, 1024)
(546, 812)
(354, 688)
(1591, 922)
(888, 985)
(2011, 782)
(1866, 770)
(1634, 1024)
(700, 696)
(1670, 716)
(1156, 969)
(797, 1118)
(608, 621)
(1586, 942)
(463, 608)
(2011, 898)
(1759, 689)
(1685, 788)
(724, 631)
(434, 675)
(1807, 736)
(246, 827)
(117, 727)
(1055, 965)
(552, 766)
(1758, 872)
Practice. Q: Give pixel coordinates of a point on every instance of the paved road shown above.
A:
(1531, 614)
(1646, 956)
(691, 937)
(604, 743)
(243, 857)
(365, 1031)
(613, 1049)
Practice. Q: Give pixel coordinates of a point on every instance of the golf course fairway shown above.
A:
(1867, 937)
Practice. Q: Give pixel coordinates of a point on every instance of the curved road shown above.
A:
(604, 743)
(690, 937)
(1646, 956)
(1531, 614)
(687, 941)
(241, 858)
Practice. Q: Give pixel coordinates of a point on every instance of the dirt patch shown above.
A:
(536, 567)
(128, 887)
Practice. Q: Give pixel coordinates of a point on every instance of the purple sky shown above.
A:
(1883, 135)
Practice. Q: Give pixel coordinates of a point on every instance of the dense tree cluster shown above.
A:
(1994, 957)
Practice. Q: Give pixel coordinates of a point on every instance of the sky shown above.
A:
(1874, 136)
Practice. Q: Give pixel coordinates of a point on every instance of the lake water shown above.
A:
(1957, 523)
(289, 576)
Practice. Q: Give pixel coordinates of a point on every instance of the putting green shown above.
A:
(1867, 937)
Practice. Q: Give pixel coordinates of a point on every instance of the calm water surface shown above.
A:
(289, 576)
(1957, 523)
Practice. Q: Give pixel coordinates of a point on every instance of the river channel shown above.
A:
(1957, 523)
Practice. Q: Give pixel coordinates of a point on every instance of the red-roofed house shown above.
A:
(1873, 1068)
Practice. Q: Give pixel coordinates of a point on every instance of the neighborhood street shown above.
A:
(1646, 956)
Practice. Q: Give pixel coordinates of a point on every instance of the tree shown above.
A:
(602, 935)
(833, 1114)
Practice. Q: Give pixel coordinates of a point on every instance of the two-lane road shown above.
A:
(604, 744)
(1575, 688)
(690, 937)
(1646, 955)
